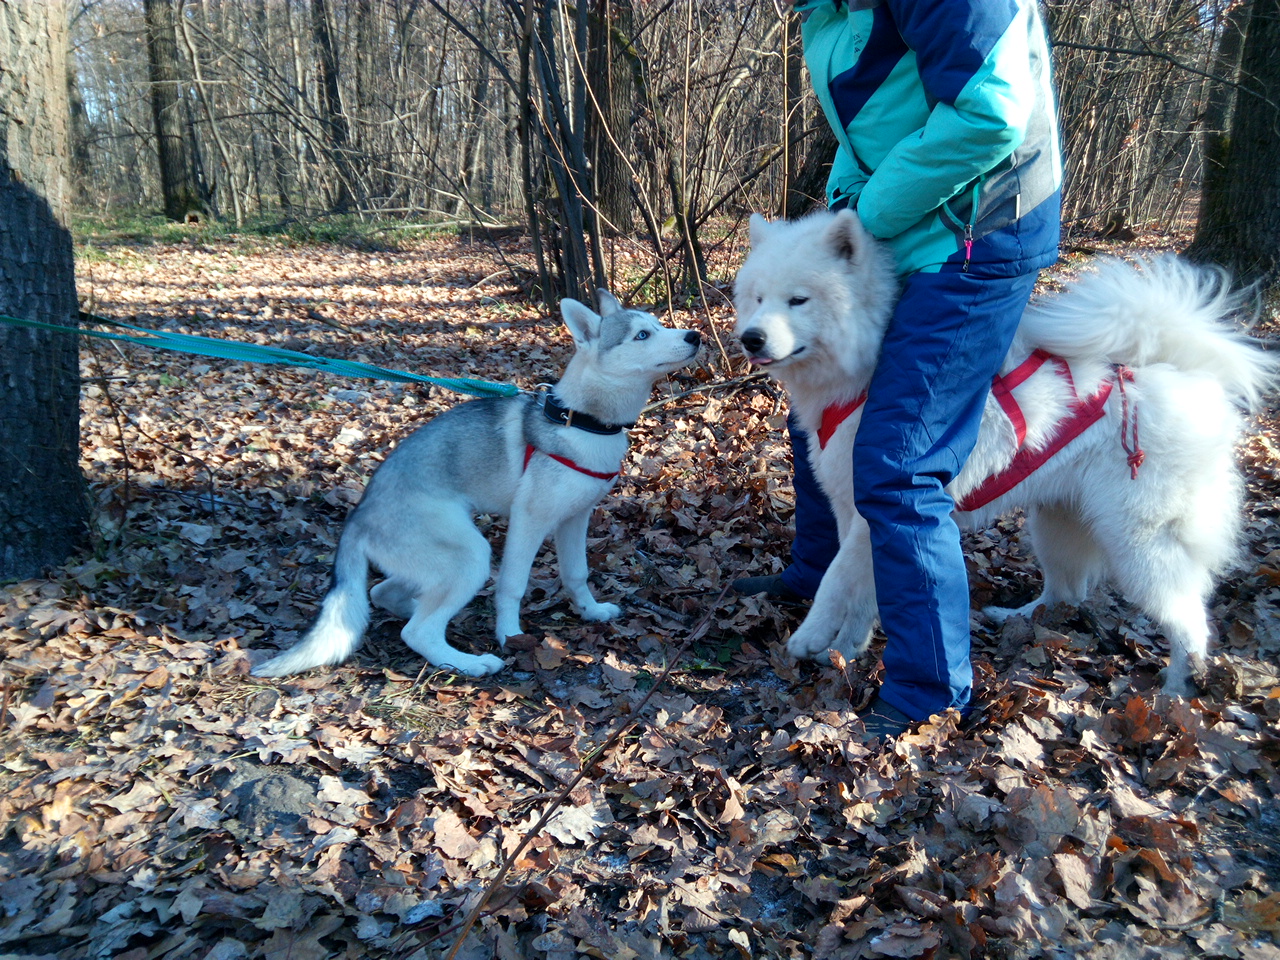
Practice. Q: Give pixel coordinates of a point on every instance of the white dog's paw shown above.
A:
(1182, 677)
(852, 640)
(508, 628)
(601, 611)
(811, 640)
(1001, 614)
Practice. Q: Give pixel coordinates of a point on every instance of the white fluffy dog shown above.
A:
(1131, 381)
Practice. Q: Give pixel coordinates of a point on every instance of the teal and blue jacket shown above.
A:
(944, 113)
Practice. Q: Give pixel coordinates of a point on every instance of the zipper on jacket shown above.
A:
(968, 227)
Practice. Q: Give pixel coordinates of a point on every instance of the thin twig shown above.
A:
(663, 612)
(733, 384)
(588, 762)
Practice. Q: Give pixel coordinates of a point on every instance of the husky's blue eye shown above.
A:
(797, 301)
(642, 335)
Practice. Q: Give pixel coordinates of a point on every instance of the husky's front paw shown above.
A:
(466, 664)
(483, 665)
(505, 629)
(601, 611)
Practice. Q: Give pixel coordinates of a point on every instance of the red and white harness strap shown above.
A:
(1085, 411)
(530, 450)
(835, 415)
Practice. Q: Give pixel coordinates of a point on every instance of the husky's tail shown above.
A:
(344, 615)
(1159, 310)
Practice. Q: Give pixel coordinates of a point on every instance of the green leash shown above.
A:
(253, 353)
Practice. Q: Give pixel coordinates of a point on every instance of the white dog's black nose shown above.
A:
(693, 337)
(753, 340)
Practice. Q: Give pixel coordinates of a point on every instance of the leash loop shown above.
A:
(1129, 423)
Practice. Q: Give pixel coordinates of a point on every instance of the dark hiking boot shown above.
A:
(771, 587)
(883, 722)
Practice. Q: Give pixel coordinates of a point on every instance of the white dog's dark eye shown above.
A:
(759, 299)
(797, 301)
(642, 335)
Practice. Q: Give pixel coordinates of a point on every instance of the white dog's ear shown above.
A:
(609, 304)
(846, 237)
(759, 228)
(582, 321)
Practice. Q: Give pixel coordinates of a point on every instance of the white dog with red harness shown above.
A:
(543, 460)
(1113, 424)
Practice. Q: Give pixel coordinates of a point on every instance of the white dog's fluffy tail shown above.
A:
(1159, 310)
(344, 615)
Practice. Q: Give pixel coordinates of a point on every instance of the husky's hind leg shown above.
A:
(448, 565)
(1070, 559)
(394, 596)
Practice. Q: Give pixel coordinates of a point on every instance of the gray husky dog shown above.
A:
(544, 461)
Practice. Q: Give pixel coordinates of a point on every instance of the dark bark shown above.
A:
(793, 112)
(335, 120)
(1218, 109)
(610, 113)
(42, 497)
(564, 153)
(81, 163)
(177, 177)
(468, 164)
(1240, 225)
(808, 187)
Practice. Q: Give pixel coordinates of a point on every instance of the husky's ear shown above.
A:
(608, 302)
(846, 237)
(582, 321)
(759, 228)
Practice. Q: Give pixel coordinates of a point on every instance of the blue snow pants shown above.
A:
(948, 336)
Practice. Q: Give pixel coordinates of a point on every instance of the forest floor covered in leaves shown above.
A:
(157, 802)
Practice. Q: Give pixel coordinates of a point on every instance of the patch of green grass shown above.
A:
(138, 226)
(98, 238)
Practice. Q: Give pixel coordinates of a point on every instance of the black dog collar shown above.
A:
(565, 417)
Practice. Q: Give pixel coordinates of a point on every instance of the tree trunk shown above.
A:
(177, 180)
(42, 497)
(564, 153)
(1240, 228)
(335, 120)
(468, 163)
(808, 187)
(792, 111)
(81, 163)
(609, 114)
(215, 128)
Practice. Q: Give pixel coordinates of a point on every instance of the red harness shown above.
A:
(531, 449)
(1085, 412)
(835, 415)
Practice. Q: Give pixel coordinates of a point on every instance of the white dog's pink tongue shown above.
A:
(760, 361)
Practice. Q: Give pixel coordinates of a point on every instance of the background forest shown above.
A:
(645, 120)
(415, 184)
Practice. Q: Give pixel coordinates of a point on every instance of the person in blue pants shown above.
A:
(948, 151)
